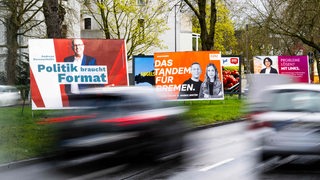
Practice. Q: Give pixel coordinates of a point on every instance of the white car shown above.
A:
(9, 95)
(291, 113)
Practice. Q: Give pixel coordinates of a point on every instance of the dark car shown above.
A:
(290, 114)
(113, 120)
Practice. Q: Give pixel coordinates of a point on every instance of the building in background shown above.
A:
(178, 37)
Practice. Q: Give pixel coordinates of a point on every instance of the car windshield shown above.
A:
(295, 101)
(6, 89)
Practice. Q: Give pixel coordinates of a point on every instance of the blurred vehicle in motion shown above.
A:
(291, 115)
(125, 120)
(9, 95)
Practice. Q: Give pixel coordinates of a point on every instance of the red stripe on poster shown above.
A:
(62, 48)
(118, 70)
(64, 97)
(35, 92)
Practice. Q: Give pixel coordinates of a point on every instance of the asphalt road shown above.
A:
(224, 152)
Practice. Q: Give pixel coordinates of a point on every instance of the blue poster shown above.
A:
(143, 69)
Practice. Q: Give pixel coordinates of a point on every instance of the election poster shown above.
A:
(231, 74)
(193, 75)
(143, 70)
(60, 67)
(294, 66)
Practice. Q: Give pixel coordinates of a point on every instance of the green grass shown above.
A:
(209, 112)
(22, 138)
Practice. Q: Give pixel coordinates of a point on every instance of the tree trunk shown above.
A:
(54, 16)
(104, 18)
(206, 32)
(12, 56)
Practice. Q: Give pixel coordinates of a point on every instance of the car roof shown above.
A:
(7, 86)
(295, 86)
(129, 90)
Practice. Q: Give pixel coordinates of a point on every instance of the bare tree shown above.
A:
(18, 16)
(296, 18)
(296, 21)
(207, 31)
(54, 14)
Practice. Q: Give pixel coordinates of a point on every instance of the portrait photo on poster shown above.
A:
(79, 59)
(268, 69)
(211, 86)
(190, 88)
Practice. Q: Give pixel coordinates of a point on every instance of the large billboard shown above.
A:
(294, 66)
(194, 75)
(60, 67)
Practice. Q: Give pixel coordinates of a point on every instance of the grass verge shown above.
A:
(22, 138)
(209, 112)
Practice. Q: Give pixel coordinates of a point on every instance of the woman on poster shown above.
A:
(268, 69)
(211, 86)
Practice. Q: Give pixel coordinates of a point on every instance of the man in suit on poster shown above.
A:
(78, 59)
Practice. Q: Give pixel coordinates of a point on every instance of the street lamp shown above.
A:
(178, 3)
(247, 48)
(175, 27)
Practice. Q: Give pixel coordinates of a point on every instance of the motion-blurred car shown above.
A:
(291, 114)
(9, 95)
(125, 120)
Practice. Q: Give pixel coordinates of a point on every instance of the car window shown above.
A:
(8, 89)
(96, 100)
(297, 100)
(121, 101)
(140, 102)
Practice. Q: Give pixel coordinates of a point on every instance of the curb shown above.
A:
(17, 164)
(216, 124)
